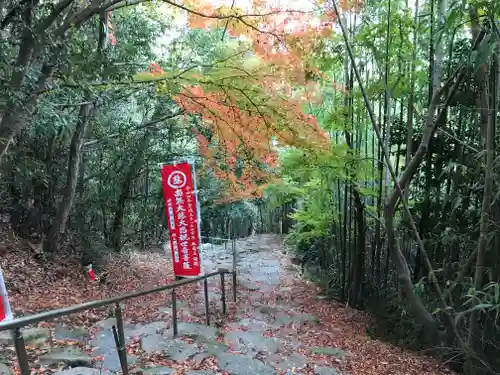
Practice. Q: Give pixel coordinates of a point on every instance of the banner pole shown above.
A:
(198, 214)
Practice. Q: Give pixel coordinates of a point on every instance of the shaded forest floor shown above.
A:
(35, 285)
(314, 334)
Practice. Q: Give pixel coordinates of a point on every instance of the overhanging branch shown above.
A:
(145, 124)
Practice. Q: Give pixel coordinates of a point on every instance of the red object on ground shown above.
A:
(5, 312)
(91, 274)
(181, 208)
(2, 309)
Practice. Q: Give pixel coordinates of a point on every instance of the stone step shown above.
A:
(71, 356)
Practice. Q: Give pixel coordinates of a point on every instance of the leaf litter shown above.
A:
(35, 287)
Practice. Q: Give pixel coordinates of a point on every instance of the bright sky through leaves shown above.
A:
(251, 104)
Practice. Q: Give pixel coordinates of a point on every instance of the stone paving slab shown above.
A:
(83, 371)
(159, 371)
(251, 342)
(75, 334)
(29, 334)
(179, 350)
(243, 365)
(4, 369)
(259, 271)
(198, 331)
(71, 356)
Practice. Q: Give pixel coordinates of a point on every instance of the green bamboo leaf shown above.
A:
(482, 306)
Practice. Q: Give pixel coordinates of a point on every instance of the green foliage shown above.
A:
(445, 192)
(330, 203)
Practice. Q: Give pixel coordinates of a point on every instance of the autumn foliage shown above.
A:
(258, 97)
(241, 150)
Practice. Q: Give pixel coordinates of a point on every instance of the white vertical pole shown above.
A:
(198, 213)
(5, 298)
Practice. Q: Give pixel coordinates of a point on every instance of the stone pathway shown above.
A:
(255, 342)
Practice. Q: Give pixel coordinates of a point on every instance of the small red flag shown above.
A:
(91, 272)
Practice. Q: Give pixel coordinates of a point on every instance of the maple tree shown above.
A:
(258, 71)
(257, 97)
(267, 103)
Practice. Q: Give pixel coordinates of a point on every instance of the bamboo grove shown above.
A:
(420, 109)
(363, 131)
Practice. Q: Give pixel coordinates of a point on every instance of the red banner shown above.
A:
(180, 204)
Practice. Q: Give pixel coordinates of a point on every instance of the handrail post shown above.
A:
(174, 312)
(223, 291)
(234, 286)
(207, 306)
(118, 345)
(122, 349)
(233, 245)
(22, 357)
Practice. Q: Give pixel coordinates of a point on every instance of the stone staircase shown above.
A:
(256, 342)
(243, 349)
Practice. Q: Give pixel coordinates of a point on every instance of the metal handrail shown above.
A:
(48, 315)
(16, 324)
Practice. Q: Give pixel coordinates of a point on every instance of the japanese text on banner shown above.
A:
(180, 203)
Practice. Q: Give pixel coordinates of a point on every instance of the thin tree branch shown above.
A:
(458, 140)
(141, 126)
(49, 20)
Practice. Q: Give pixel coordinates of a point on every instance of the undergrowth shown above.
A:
(35, 284)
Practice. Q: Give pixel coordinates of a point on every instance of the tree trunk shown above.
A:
(359, 259)
(17, 115)
(14, 116)
(117, 227)
(59, 225)
(52, 182)
(487, 123)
